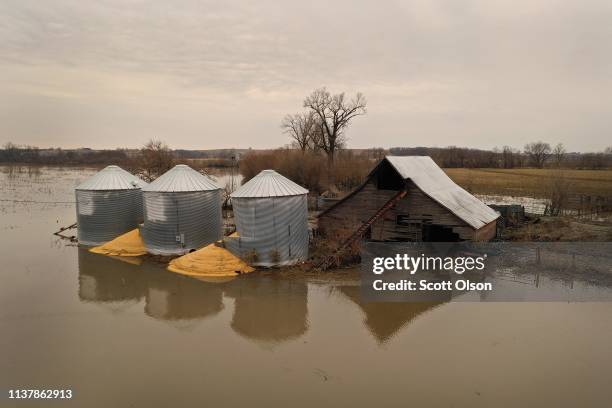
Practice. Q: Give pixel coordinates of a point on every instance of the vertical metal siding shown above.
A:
(104, 215)
(194, 215)
(276, 228)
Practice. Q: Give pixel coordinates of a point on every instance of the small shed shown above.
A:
(108, 204)
(182, 212)
(271, 214)
(410, 198)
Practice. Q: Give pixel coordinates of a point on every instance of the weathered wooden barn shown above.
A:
(410, 198)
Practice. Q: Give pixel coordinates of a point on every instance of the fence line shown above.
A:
(581, 205)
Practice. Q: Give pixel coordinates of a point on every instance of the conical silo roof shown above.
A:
(181, 178)
(112, 178)
(269, 183)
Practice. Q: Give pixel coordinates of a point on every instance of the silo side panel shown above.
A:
(175, 223)
(104, 215)
(275, 228)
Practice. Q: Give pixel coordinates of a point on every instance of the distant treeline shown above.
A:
(537, 154)
(32, 155)
(12, 153)
(209, 154)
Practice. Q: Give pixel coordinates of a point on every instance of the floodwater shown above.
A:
(120, 334)
(536, 206)
(226, 178)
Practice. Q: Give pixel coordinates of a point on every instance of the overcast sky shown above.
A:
(214, 74)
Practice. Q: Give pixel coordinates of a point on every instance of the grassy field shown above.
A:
(531, 182)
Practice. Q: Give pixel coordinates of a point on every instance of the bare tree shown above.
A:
(559, 154)
(314, 144)
(334, 114)
(301, 127)
(155, 159)
(456, 156)
(538, 153)
(607, 154)
(508, 160)
(11, 151)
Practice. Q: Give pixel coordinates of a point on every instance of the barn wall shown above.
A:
(355, 210)
(487, 232)
(417, 208)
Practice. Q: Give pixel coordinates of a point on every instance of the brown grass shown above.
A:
(308, 169)
(531, 182)
(567, 229)
(325, 245)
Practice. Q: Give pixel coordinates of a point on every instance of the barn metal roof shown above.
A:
(112, 178)
(181, 178)
(430, 178)
(269, 183)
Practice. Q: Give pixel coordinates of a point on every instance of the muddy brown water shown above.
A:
(119, 334)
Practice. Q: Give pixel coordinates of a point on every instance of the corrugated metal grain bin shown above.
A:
(108, 204)
(271, 214)
(182, 211)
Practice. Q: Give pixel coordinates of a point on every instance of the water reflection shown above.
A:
(106, 280)
(175, 297)
(15, 170)
(269, 309)
(385, 320)
(168, 296)
(265, 309)
(554, 271)
(511, 271)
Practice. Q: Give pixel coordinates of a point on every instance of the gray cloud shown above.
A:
(204, 74)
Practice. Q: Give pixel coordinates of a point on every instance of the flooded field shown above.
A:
(536, 206)
(120, 334)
